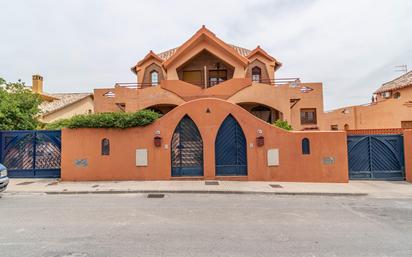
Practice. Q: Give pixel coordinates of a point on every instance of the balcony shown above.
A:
(292, 82)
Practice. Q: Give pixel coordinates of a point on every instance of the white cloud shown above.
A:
(351, 46)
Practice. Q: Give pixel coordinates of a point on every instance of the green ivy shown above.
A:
(107, 120)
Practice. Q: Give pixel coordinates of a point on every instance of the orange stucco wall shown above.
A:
(407, 141)
(386, 113)
(120, 164)
(238, 91)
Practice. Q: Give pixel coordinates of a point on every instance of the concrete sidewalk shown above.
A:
(380, 189)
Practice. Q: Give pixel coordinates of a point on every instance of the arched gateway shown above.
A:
(187, 149)
(230, 149)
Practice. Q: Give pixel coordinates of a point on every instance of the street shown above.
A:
(203, 225)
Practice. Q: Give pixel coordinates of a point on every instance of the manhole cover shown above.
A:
(155, 196)
(211, 183)
(275, 186)
(25, 183)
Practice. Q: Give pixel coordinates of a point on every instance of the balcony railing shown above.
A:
(293, 82)
(135, 85)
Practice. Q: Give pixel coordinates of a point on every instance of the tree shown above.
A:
(19, 106)
(283, 124)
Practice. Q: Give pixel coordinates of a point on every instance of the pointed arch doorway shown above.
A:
(187, 149)
(230, 149)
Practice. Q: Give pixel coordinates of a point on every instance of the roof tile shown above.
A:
(400, 82)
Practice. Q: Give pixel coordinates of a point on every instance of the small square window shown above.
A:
(308, 116)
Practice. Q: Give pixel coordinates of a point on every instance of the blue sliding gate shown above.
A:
(31, 154)
(378, 157)
(230, 149)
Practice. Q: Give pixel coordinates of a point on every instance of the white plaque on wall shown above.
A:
(273, 157)
(141, 157)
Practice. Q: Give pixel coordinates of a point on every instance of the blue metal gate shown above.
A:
(31, 154)
(187, 149)
(230, 149)
(377, 157)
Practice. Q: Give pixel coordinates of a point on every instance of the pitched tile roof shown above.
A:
(169, 53)
(63, 100)
(400, 82)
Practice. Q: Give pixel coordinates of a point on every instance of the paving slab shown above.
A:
(380, 189)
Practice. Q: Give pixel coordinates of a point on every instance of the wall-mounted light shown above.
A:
(157, 139)
(260, 139)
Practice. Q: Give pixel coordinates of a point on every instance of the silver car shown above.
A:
(4, 180)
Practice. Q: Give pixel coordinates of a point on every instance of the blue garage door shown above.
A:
(31, 154)
(378, 157)
(230, 149)
(187, 149)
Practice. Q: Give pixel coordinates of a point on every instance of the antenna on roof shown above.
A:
(402, 68)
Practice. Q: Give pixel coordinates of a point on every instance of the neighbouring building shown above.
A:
(391, 107)
(205, 66)
(61, 105)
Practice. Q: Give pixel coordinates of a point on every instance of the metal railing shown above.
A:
(293, 82)
(135, 85)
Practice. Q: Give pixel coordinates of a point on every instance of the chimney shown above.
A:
(37, 84)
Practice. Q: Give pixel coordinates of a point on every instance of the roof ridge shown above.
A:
(169, 53)
(402, 81)
(400, 77)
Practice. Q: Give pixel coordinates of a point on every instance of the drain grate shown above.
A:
(155, 196)
(25, 183)
(211, 183)
(53, 183)
(275, 186)
(94, 186)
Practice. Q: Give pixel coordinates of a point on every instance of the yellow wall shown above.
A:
(81, 107)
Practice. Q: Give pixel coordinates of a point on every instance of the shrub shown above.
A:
(283, 124)
(107, 120)
(56, 125)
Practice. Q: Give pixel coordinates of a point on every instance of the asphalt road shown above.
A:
(203, 225)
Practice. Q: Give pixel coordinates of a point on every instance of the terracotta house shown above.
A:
(218, 101)
(391, 107)
(206, 66)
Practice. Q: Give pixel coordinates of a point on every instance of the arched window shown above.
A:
(256, 74)
(154, 78)
(105, 146)
(305, 146)
(346, 126)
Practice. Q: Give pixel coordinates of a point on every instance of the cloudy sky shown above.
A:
(351, 46)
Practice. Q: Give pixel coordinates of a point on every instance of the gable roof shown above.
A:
(240, 53)
(398, 83)
(259, 50)
(63, 100)
(204, 32)
(167, 54)
(148, 56)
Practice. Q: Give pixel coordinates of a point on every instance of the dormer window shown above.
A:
(256, 74)
(154, 78)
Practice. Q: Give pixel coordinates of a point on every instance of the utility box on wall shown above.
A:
(141, 157)
(273, 157)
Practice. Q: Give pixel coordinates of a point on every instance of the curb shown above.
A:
(188, 192)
